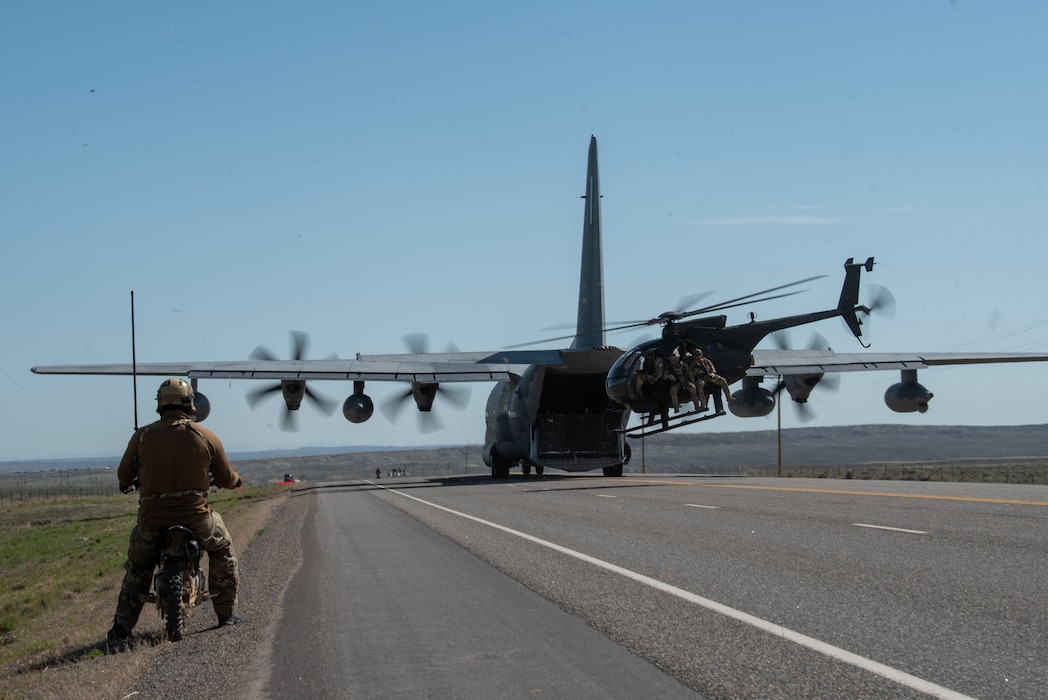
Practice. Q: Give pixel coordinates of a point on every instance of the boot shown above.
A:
(118, 639)
(227, 619)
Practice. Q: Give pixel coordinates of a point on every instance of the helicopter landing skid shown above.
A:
(655, 423)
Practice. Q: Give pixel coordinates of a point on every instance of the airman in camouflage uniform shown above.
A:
(173, 461)
(651, 372)
(706, 373)
(681, 376)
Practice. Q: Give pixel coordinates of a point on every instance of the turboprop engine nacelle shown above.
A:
(800, 386)
(358, 407)
(751, 401)
(203, 407)
(908, 396)
(201, 403)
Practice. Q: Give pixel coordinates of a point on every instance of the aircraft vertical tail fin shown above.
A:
(849, 301)
(589, 332)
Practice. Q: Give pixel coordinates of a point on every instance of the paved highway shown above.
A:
(657, 586)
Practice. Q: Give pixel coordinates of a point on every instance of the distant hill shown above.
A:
(835, 448)
(848, 445)
(112, 461)
(821, 451)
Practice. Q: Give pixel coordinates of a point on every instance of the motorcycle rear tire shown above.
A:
(176, 616)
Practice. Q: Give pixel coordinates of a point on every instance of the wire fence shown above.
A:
(1032, 473)
(1032, 470)
(10, 497)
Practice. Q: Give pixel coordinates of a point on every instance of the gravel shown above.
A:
(231, 662)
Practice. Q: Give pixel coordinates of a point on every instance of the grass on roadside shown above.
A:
(51, 555)
(61, 558)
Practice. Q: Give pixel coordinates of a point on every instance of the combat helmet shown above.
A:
(176, 393)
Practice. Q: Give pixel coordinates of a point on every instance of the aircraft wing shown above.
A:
(780, 362)
(424, 368)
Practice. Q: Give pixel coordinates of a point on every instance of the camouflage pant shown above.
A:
(143, 554)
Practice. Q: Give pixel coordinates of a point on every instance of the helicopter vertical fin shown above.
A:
(589, 332)
(849, 300)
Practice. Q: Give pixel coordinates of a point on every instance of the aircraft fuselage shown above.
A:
(557, 416)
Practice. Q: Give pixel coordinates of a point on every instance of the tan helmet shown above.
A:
(177, 393)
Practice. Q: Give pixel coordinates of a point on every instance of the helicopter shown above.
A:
(696, 358)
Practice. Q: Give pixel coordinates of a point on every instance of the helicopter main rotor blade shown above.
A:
(730, 303)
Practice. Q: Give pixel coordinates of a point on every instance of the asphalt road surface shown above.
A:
(643, 586)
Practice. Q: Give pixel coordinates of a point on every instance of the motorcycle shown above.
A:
(178, 584)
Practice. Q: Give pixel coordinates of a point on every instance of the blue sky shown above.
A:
(362, 171)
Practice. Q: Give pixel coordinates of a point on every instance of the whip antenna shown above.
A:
(134, 364)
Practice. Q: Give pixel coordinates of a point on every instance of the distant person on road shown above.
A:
(173, 461)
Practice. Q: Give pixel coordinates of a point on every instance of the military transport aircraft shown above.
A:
(570, 408)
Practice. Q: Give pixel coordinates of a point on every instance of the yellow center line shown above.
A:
(846, 492)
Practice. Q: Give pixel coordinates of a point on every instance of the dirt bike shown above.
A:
(178, 584)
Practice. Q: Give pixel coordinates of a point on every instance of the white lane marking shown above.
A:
(605, 495)
(893, 529)
(875, 667)
(696, 505)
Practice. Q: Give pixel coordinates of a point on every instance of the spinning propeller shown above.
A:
(799, 386)
(293, 390)
(879, 301)
(424, 393)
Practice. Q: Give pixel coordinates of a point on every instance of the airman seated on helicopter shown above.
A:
(681, 375)
(705, 373)
(686, 368)
(651, 372)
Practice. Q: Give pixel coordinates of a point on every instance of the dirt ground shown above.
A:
(79, 671)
